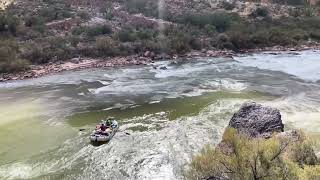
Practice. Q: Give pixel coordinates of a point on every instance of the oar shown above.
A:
(83, 129)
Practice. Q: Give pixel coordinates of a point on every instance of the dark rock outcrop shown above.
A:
(256, 120)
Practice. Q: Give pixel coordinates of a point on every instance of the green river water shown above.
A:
(170, 114)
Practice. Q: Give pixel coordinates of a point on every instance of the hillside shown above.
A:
(56, 31)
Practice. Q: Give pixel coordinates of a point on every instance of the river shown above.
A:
(170, 114)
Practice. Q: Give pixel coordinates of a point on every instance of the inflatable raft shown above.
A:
(98, 136)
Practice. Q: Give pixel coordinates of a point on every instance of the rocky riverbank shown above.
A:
(256, 145)
(148, 57)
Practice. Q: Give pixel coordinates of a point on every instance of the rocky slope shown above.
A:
(42, 33)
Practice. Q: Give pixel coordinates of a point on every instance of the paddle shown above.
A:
(83, 129)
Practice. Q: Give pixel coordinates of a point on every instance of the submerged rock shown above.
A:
(256, 120)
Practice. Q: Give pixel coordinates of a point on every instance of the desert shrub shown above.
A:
(8, 24)
(315, 35)
(55, 12)
(237, 41)
(240, 157)
(260, 39)
(220, 20)
(195, 44)
(146, 7)
(298, 34)
(309, 11)
(33, 20)
(145, 34)
(74, 40)
(224, 42)
(295, 2)
(126, 35)
(308, 23)
(78, 30)
(290, 2)
(138, 35)
(36, 54)
(210, 29)
(84, 15)
(98, 30)
(309, 173)
(9, 60)
(278, 36)
(180, 42)
(58, 49)
(36, 23)
(106, 46)
(49, 49)
(108, 15)
(303, 152)
(260, 12)
(295, 12)
(228, 5)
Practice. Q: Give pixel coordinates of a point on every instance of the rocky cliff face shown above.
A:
(4, 3)
(256, 120)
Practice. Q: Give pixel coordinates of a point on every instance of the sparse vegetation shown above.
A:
(185, 30)
(9, 60)
(221, 21)
(240, 157)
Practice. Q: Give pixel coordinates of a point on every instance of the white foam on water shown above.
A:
(161, 154)
(183, 70)
(299, 112)
(306, 65)
(18, 171)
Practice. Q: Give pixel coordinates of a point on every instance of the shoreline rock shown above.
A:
(146, 58)
(256, 120)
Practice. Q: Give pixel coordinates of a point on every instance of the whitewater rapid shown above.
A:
(170, 114)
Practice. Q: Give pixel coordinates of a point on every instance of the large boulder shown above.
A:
(256, 120)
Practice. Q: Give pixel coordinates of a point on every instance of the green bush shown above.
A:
(126, 35)
(290, 2)
(53, 12)
(145, 34)
(210, 29)
(8, 24)
(221, 21)
(240, 157)
(146, 7)
(98, 30)
(109, 15)
(106, 46)
(296, 2)
(9, 60)
(78, 30)
(228, 5)
(309, 11)
(278, 36)
(260, 12)
(49, 49)
(180, 43)
(33, 21)
(315, 35)
(84, 15)
(36, 54)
